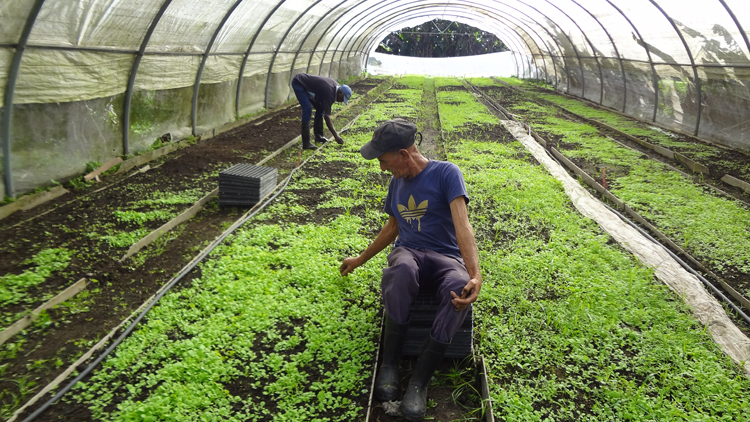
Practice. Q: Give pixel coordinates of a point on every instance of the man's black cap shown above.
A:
(392, 135)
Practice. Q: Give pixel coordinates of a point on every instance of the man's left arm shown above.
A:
(467, 245)
(329, 123)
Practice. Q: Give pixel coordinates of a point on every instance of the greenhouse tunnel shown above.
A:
(107, 81)
(91, 80)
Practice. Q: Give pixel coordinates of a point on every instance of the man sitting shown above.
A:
(426, 207)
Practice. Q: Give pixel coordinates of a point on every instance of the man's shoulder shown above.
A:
(445, 167)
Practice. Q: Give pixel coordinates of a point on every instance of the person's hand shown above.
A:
(339, 139)
(468, 295)
(348, 265)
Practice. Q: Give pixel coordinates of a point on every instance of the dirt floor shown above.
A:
(452, 395)
(42, 352)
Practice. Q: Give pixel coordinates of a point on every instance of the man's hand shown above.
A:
(339, 139)
(348, 265)
(468, 295)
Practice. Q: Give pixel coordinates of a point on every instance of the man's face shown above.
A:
(340, 96)
(395, 163)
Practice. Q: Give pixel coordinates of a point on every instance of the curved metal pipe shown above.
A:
(320, 66)
(247, 54)
(371, 38)
(370, 43)
(281, 42)
(575, 50)
(365, 35)
(322, 60)
(692, 63)
(333, 55)
(196, 87)
(302, 44)
(643, 43)
(737, 22)
(10, 90)
(562, 55)
(134, 73)
(375, 38)
(619, 57)
(363, 40)
(593, 50)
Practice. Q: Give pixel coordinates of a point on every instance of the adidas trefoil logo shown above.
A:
(414, 212)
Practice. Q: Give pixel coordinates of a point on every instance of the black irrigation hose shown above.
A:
(171, 284)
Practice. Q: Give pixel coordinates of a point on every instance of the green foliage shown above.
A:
(13, 287)
(459, 109)
(143, 216)
(269, 283)
(80, 183)
(710, 227)
(139, 218)
(92, 165)
(512, 81)
(571, 326)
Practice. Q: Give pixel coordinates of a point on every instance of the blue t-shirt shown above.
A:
(421, 205)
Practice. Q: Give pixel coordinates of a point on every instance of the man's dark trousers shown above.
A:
(305, 103)
(407, 269)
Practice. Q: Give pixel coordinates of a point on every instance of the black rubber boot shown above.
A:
(318, 130)
(386, 383)
(414, 405)
(306, 144)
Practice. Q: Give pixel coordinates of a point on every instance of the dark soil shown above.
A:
(446, 401)
(428, 122)
(122, 287)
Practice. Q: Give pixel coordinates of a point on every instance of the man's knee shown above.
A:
(400, 276)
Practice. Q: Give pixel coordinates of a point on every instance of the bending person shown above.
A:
(320, 92)
(435, 247)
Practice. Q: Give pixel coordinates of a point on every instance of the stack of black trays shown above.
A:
(244, 185)
(422, 314)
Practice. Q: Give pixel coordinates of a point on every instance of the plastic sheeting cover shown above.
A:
(528, 26)
(626, 54)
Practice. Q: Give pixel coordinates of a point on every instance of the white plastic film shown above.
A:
(741, 10)
(54, 76)
(13, 15)
(120, 24)
(159, 72)
(257, 64)
(63, 61)
(242, 26)
(711, 36)
(6, 57)
(188, 25)
(221, 69)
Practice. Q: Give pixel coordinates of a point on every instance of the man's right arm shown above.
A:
(387, 235)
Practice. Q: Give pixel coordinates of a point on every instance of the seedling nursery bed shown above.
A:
(86, 232)
(702, 215)
(572, 327)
